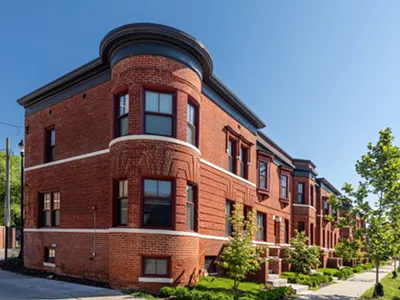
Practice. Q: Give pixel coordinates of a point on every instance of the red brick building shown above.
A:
(134, 160)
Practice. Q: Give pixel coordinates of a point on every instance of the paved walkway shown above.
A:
(16, 286)
(351, 288)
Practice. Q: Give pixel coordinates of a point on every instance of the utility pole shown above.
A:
(7, 216)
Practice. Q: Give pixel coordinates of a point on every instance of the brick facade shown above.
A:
(89, 158)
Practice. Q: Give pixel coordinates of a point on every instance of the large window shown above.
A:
(158, 117)
(300, 226)
(300, 193)
(232, 156)
(155, 266)
(191, 128)
(243, 162)
(260, 227)
(284, 186)
(50, 209)
(51, 143)
(190, 207)
(157, 203)
(262, 173)
(228, 214)
(122, 114)
(122, 202)
(311, 195)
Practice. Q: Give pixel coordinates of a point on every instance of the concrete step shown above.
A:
(273, 276)
(298, 288)
(275, 283)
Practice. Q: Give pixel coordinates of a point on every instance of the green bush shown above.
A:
(313, 280)
(358, 269)
(328, 271)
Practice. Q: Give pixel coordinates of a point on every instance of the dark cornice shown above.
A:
(325, 182)
(137, 39)
(273, 144)
(304, 161)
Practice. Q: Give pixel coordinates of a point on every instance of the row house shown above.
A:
(135, 159)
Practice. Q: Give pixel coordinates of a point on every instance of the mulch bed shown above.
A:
(16, 266)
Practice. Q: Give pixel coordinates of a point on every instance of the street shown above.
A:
(16, 286)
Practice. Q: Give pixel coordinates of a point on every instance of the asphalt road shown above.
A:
(16, 286)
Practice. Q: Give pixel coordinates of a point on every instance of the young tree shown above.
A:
(379, 170)
(301, 257)
(15, 185)
(349, 249)
(241, 256)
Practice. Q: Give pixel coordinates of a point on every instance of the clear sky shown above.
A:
(324, 76)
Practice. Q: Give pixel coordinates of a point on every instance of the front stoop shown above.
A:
(274, 281)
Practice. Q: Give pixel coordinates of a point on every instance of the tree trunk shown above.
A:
(377, 272)
(378, 290)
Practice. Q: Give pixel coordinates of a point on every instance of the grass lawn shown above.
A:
(212, 284)
(390, 286)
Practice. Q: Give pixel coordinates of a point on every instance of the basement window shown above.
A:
(49, 255)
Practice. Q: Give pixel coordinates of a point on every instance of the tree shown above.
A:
(349, 249)
(301, 257)
(241, 256)
(15, 185)
(379, 170)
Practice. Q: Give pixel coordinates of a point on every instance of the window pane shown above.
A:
(189, 193)
(228, 208)
(190, 114)
(123, 105)
(123, 211)
(162, 266)
(123, 126)
(231, 164)
(190, 216)
(157, 213)
(228, 228)
(230, 148)
(151, 101)
(52, 137)
(284, 181)
(191, 134)
(263, 168)
(150, 187)
(47, 218)
(164, 189)
(56, 218)
(300, 187)
(51, 154)
(260, 220)
(122, 188)
(159, 125)
(150, 266)
(242, 169)
(166, 103)
(284, 192)
(263, 182)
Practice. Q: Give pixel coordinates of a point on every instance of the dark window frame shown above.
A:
(264, 226)
(243, 161)
(286, 232)
(172, 199)
(48, 213)
(196, 124)
(281, 187)
(195, 207)
(232, 155)
(117, 116)
(50, 152)
(312, 192)
(167, 258)
(173, 114)
(117, 202)
(227, 222)
(300, 194)
(302, 225)
(213, 267)
(266, 159)
(47, 256)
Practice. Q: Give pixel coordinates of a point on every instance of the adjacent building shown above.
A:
(135, 159)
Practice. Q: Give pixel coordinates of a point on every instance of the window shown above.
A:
(311, 234)
(260, 227)
(56, 209)
(51, 143)
(286, 232)
(155, 266)
(50, 209)
(326, 207)
(300, 226)
(323, 238)
(157, 203)
(284, 186)
(311, 195)
(209, 264)
(300, 193)
(122, 202)
(243, 162)
(190, 207)
(262, 173)
(49, 255)
(231, 156)
(122, 114)
(191, 129)
(228, 214)
(158, 114)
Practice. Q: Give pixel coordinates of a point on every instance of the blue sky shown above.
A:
(324, 76)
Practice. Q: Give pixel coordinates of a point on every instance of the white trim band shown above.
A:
(61, 161)
(226, 172)
(304, 205)
(66, 230)
(153, 138)
(50, 265)
(156, 280)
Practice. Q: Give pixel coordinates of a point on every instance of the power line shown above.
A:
(18, 127)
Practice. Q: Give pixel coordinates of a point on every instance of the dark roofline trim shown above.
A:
(304, 161)
(141, 33)
(281, 158)
(273, 144)
(325, 182)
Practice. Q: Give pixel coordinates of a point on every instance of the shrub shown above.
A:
(328, 271)
(313, 280)
(358, 269)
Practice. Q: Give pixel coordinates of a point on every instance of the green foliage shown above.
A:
(301, 257)
(15, 187)
(138, 294)
(328, 271)
(240, 256)
(313, 280)
(185, 293)
(391, 287)
(349, 249)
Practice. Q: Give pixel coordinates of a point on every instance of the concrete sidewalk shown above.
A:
(351, 288)
(16, 286)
